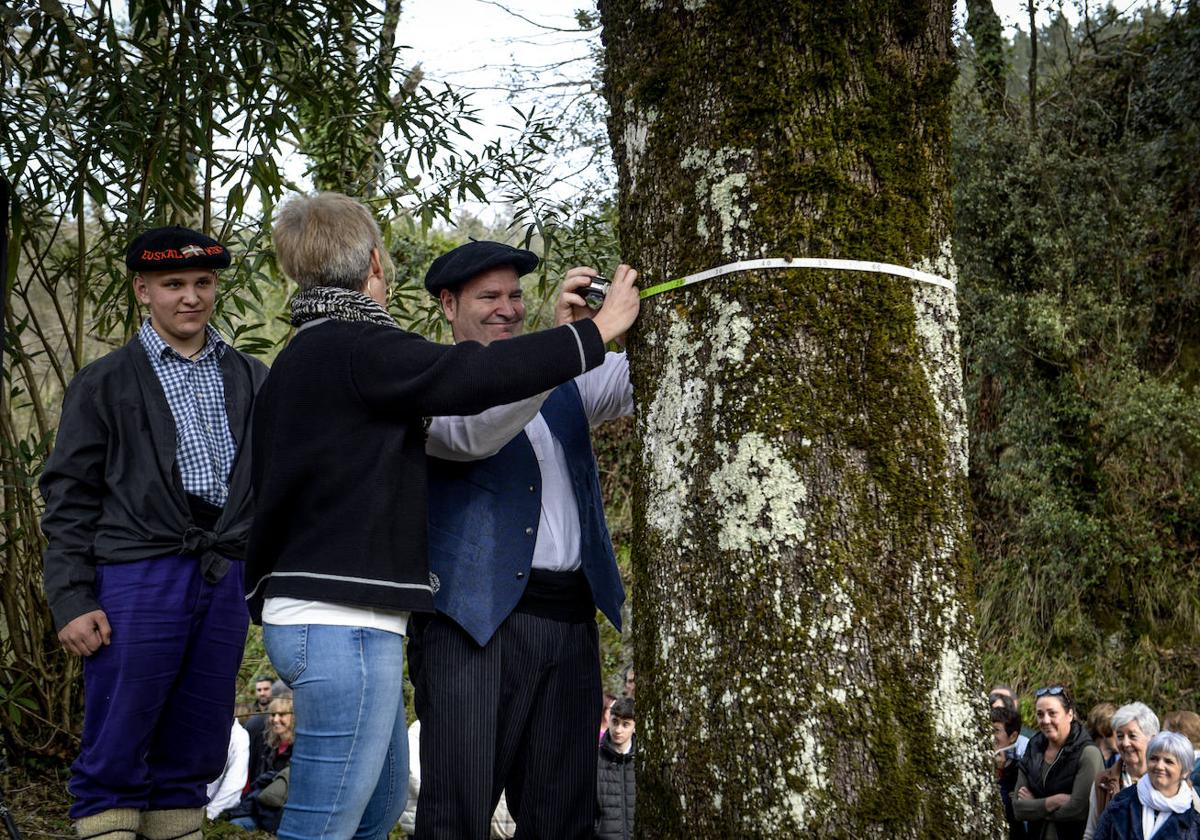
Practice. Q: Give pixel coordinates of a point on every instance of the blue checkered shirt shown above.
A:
(196, 393)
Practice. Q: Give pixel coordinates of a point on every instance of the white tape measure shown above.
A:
(800, 262)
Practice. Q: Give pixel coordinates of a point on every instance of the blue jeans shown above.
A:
(350, 758)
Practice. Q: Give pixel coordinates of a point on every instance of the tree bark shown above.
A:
(805, 647)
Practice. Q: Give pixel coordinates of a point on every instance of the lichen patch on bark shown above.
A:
(637, 131)
(937, 328)
(722, 193)
(757, 495)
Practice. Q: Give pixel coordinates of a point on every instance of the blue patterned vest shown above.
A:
(483, 523)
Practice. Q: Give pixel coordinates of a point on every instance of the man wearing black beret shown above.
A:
(338, 553)
(147, 510)
(507, 672)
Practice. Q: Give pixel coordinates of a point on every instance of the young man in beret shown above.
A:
(147, 510)
(507, 672)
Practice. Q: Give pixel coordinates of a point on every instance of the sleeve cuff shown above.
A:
(71, 607)
(591, 345)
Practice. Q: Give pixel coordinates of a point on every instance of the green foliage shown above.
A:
(1078, 256)
(183, 113)
(16, 701)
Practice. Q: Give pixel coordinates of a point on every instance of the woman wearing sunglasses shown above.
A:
(1161, 806)
(1057, 771)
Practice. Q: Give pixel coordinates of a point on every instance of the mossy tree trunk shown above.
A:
(805, 646)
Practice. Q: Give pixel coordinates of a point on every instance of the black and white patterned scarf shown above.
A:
(338, 304)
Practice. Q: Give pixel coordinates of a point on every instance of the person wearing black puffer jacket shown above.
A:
(1057, 771)
(616, 787)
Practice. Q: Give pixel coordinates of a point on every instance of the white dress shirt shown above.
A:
(606, 393)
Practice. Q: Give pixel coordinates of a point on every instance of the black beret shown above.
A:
(169, 248)
(456, 267)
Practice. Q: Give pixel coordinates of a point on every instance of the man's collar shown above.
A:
(158, 348)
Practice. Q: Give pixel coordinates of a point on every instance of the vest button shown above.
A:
(532, 489)
(520, 575)
(529, 532)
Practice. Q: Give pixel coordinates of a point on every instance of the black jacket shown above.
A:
(1059, 779)
(616, 791)
(112, 489)
(268, 760)
(339, 452)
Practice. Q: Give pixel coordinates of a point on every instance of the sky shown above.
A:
(474, 44)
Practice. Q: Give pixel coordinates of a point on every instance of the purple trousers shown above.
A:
(158, 701)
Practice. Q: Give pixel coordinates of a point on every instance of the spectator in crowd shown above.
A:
(226, 790)
(277, 743)
(1006, 729)
(262, 691)
(502, 826)
(628, 681)
(605, 705)
(263, 685)
(1001, 700)
(1188, 725)
(1099, 725)
(256, 724)
(1161, 805)
(262, 806)
(1009, 695)
(1002, 694)
(1057, 771)
(616, 788)
(338, 552)
(1134, 724)
(507, 671)
(1004, 691)
(147, 507)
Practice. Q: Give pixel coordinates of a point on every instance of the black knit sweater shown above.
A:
(339, 452)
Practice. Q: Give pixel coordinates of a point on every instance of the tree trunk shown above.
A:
(1031, 7)
(991, 67)
(805, 650)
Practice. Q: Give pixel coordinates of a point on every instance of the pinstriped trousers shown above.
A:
(519, 714)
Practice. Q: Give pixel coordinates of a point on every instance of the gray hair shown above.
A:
(326, 240)
(1173, 744)
(1138, 713)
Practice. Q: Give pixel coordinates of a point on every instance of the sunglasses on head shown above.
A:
(1051, 691)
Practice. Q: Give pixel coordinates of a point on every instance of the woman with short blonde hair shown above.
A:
(338, 551)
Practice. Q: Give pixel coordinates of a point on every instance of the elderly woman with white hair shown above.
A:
(1161, 805)
(1134, 724)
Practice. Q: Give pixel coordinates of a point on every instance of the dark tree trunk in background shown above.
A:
(1031, 7)
(805, 645)
(5, 201)
(987, 33)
